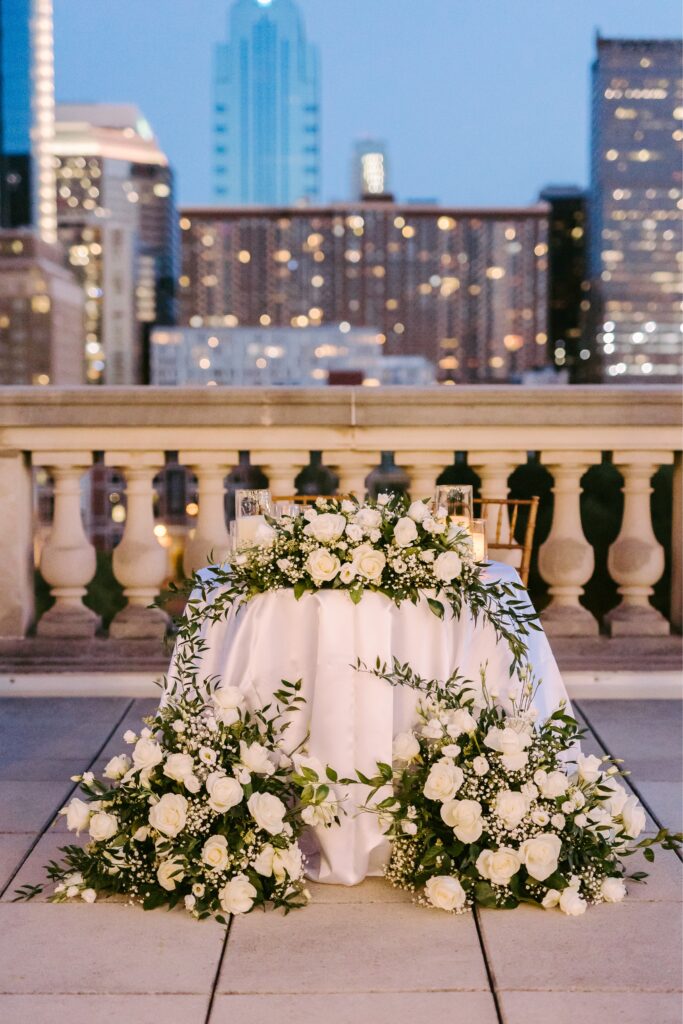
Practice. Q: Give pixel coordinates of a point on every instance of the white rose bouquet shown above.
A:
(404, 551)
(206, 811)
(494, 808)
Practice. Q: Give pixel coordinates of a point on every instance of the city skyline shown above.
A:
(542, 137)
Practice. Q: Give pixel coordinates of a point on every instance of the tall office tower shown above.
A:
(118, 222)
(370, 170)
(266, 116)
(466, 289)
(636, 209)
(568, 287)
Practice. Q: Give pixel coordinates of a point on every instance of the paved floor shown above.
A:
(355, 955)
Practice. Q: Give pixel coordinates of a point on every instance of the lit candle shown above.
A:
(479, 547)
(247, 527)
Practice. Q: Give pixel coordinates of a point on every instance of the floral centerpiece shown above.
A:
(206, 811)
(491, 807)
(403, 550)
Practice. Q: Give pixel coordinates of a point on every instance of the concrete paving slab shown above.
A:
(640, 731)
(591, 1007)
(56, 727)
(133, 720)
(629, 947)
(29, 806)
(666, 801)
(664, 881)
(353, 948)
(28, 769)
(71, 949)
(32, 871)
(12, 849)
(372, 890)
(356, 1008)
(103, 1009)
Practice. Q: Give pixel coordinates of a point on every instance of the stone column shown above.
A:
(566, 559)
(353, 471)
(139, 561)
(281, 468)
(68, 561)
(636, 559)
(423, 468)
(494, 469)
(210, 535)
(677, 545)
(17, 603)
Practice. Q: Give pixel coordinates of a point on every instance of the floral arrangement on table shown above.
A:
(206, 811)
(491, 807)
(390, 546)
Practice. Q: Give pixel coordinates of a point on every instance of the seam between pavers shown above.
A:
(217, 974)
(73, 789)
(628, 779)
(488, 966)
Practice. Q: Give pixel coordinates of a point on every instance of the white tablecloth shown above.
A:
(352, 717)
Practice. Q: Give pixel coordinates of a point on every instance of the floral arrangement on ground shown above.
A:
(403, 550)
(207, 809)
(491, 807)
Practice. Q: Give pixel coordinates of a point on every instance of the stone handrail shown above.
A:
(60, 429)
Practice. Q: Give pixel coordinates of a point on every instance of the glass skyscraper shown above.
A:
(636, 209)
(266, 117)
(15, 113)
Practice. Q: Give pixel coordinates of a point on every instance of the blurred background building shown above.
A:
(118, 222)
(370, 170)
(636, 209)
(465, 289)
(266, 114)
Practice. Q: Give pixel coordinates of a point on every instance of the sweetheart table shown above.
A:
(350, 718)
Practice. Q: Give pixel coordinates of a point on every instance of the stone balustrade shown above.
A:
(133, 429)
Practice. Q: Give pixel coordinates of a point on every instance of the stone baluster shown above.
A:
(139, 562)
(210, 535)
(493, 469)
(281, 468)
(17, 601)
(68, 561)
(423, 470)
(636, 559)
(353, 471)
(566, 559)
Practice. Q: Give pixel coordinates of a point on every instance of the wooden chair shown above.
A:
(502, 524)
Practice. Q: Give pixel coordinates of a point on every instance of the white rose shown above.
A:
(169, 873)
(633, 817)
(215, 853)
(327, 527)
(618, 796)
(147, 754)
(189, 902)
(347, 573)
(228, 701)
(368, 562)
(451, 750)
(405, 532)
(553, 785)
(558, 821)
(460, 721)
(89, 895)
(224, 792)
(540, 817)
(268, 812)
(178, 766)
(589, 767)
(464, 817)
(288, 863)
(551, 899)
(508, 740)
(141, 834)
(578, 799)
(255, 758)
(77, 815)
(510, 807)
(498, 866)
(418, 510)
(348, 506)
(571, 902)
(405, 748)
(443, 782)
(237, 897)
(368, 518)
(480, 766)
(103, 826)
(354, 532)
(179, 726)
(427, 556)
(117, 767)
(445, 893)
(129, 736)
(322, 565)
(264, 535)
(263, 861)
(447, 566)
(169, 814)
(541, 855)
(433, 729)
(581, 820)
(613, 890)
(192, 783)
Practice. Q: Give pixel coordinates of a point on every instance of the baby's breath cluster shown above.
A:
(205, 810)
(492, 807)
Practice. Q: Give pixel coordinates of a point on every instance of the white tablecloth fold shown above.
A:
(352, 717)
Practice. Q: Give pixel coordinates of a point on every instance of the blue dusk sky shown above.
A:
(481, 102)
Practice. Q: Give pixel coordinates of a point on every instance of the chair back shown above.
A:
(504, 525)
